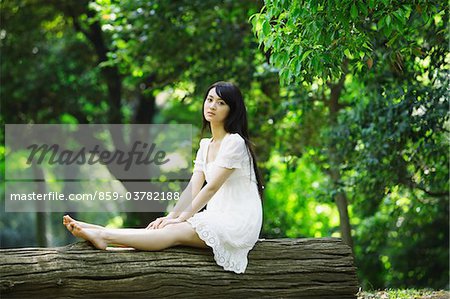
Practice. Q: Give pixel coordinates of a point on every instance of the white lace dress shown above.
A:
(232, 220)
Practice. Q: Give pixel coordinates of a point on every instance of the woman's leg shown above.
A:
(69, 222)
(142, 239)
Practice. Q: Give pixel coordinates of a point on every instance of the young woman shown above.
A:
(232, 220)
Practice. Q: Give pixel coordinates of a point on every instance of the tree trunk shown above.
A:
(41, 217)
(341, 198)
(278, 268)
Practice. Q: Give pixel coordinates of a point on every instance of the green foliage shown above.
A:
(46, 69)
(396, 170)
(396, 138)
(160, 42)
(371, 79)
(403, 294)
(293, 209)
(403, 240)
(310, 39)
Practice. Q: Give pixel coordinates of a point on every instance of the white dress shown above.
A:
(232, 220)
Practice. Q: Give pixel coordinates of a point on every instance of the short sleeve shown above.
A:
(232, 153)
(198, 162)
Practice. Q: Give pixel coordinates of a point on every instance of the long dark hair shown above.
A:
(236, 121)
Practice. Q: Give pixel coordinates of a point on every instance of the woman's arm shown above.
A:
(220, 175)
(189, 193)
(183, 204)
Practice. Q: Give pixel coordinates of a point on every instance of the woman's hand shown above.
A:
(162, 222)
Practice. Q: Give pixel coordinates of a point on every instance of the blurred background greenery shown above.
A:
(347, 102)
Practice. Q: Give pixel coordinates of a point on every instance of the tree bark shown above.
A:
(278, 268)
(341, 198)
(41, 217)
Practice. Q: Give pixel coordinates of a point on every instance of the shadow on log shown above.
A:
(278, 268)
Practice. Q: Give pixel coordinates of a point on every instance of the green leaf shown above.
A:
(359, 65)
(285, 58)
(407, 10)
(347, 53)
(295, 65)
(266, 28)
(400, 16)
(107, 63)
(277, 42)
(313, 6)
(268, 43)
(381, 23)
(121, 44)
(372, 4)
(388, 20)
(68, 119)
(289, 76)
(305, 54)
(392, 40)
(257, 24)
(282, 75)
(363, 8)
(425, 17)
(387, 30)
(315, 62)
(354, 11)
(298, 67)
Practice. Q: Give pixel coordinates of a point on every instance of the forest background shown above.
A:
(347, 104)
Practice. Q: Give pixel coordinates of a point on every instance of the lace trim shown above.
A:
(222, 257)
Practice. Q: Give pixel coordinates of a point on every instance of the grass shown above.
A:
(404, 294)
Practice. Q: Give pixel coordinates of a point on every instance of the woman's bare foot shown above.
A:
(95, 236)
(69, 221)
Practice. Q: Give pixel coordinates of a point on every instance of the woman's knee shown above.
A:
(185, 234)
(191, 237)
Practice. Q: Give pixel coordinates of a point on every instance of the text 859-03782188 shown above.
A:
(97, 195)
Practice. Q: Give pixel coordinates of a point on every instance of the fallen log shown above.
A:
(278, 268)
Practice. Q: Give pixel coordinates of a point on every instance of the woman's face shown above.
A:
(215, 109)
